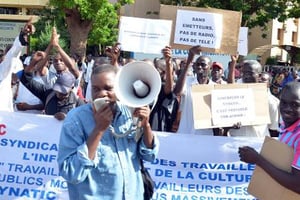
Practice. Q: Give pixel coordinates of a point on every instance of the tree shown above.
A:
(93, 19)
(254, 12)
(41, 41)
(48, 17)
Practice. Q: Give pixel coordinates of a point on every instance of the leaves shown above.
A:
(102, 13)
(41, 42)
(255, 12)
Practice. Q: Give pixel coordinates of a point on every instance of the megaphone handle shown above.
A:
(154, 103)
(139, 129)
(136, 127)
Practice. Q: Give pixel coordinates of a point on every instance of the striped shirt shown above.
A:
(291, 137)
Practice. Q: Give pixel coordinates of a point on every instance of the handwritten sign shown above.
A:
(229, 106)
(203, 110)
(198, 28)
(144, 35)
(243, 41)
(229, 23)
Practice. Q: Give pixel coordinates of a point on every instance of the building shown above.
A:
(19, 10)
(13, 15)
(281, 42)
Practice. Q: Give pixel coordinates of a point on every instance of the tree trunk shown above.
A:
(79, 30)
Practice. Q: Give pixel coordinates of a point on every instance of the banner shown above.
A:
(188, 167)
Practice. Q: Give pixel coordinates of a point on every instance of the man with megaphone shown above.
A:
(96, 163)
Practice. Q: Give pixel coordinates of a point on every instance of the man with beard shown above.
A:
(289, 134)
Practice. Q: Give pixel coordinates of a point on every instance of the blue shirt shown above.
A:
(115, 171)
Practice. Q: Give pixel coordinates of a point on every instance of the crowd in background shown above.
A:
(65, 86)
(177, 75)
(37, 77)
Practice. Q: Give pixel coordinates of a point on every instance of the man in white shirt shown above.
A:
(6, 66)
(201, 70)
(251, 70)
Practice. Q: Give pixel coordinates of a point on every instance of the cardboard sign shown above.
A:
(140, 8)
(262, 185)
(193, 21)
(202, 104)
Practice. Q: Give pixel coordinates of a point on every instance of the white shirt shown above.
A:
(6, 70)
(89, 70)
(260, 130)
(24, 95)
(186, 125)
(273, 111)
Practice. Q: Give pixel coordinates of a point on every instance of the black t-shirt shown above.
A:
(164, 113)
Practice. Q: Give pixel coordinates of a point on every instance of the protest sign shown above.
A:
(243, 41)
(143, 9)
(231, 105)
(262, 185)
(8, 32)
(144, 35)
(216, 30)
(187, 167)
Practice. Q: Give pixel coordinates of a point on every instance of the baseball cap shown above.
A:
(217, 65)
(64, 83)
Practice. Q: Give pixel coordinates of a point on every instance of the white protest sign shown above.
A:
(198, 28)
(230, 106)
(187, 167)
(144, 35)
(243, 41)
(8, 32)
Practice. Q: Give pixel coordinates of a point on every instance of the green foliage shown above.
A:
(297, 58)
(48, 17)
(271, 61)
(102, 13)
(254, 12)
(41, 41)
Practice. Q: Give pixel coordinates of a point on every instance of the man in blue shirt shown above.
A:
(95, 160)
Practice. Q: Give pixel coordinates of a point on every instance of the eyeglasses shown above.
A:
(203, 65)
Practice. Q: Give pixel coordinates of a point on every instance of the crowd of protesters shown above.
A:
(65, 86)
(54, 84)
